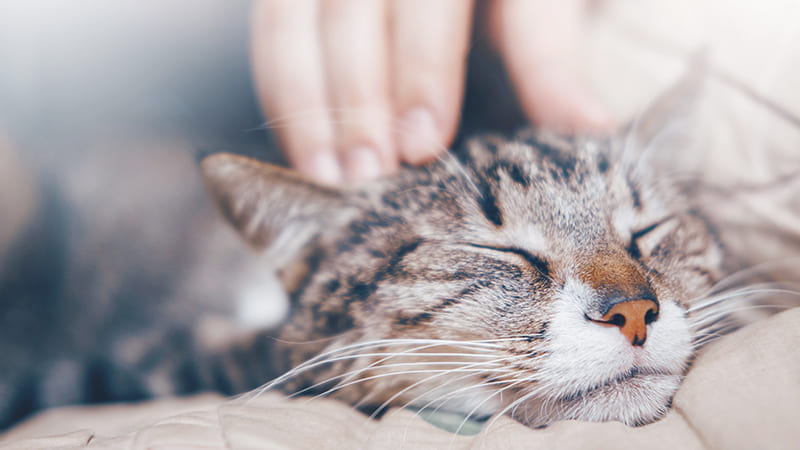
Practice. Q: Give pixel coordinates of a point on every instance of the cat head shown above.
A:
(543, 276)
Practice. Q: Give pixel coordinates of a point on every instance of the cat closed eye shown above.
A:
(634, 248)
(534, 261)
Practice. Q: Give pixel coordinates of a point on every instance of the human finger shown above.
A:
(538, 41)
(429, 46)
(355, 54)
(289, 78)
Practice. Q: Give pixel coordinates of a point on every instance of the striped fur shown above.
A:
(478, 275)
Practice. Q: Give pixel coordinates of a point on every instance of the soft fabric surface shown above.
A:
(743, 392)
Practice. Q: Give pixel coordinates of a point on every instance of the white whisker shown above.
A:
(406, 389)
(326, 357)
(351, 374)
(466, 388)
(514, 404)
(726, 296)
(416, 349)
(483, 402)
(761, 268)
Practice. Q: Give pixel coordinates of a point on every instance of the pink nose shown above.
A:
(632, 318)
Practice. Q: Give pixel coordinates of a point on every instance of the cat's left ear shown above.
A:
(273, 208)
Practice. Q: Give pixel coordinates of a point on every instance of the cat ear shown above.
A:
(270, 206)
(667, 123)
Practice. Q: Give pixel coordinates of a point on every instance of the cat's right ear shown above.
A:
(668, 124)
(271, 206)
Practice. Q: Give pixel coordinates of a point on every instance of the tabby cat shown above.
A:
(543, 276)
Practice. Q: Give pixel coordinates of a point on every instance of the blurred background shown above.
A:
(110, 251)
(84, 68)
(85, 82)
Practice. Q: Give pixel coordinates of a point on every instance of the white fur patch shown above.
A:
(623, 220)
(586, 359)
(261, 302)
(526, 236)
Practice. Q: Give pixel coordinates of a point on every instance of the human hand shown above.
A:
(354, 87)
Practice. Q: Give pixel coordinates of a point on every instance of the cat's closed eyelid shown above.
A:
(536, 262)
(641, 232)
(645, 230)
(633, 247)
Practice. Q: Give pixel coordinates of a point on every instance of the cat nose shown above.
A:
(632, 318)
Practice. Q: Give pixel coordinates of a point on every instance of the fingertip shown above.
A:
(430, 44)
(419, 139)
(322, 167)
(361, 164)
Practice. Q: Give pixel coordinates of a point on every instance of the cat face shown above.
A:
(543, 277)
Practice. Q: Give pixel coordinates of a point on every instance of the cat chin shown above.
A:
(634, 401)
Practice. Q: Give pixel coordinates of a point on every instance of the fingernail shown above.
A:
(322, 167)
(361, 164)
(418, 137)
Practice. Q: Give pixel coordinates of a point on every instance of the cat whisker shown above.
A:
(427, 354)
(701, 301)
(451, 394)
(513, 405)
(406, 389)
(709, 337)
(713, 332)
(441, 400)
(731, 307)
(764, 268)
(742, 292)
(327, 357)
(505, 359)
(436, 373)
(728, 310)
(489, 374)
(718, 320)
(348, 375)
(483, 402)
(489, 343)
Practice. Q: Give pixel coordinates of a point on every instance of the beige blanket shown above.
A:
(743, 392)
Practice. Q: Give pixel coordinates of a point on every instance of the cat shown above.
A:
(543, 276)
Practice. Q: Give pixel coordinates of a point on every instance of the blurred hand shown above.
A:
(354, 87)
